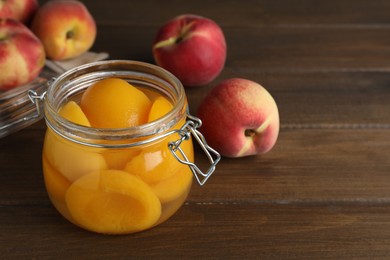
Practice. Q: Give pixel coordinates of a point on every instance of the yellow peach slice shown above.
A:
(73, 113)
(72, 160)
(56, 186)
(156, 163)
(114, 103)
(117, 158)
(160, 107)
(56, 183)
(172, 188)
(112, 202)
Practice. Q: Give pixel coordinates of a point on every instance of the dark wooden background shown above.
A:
(323, 191)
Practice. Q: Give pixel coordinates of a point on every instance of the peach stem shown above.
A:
(184, 32)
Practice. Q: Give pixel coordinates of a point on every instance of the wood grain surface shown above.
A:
(323, 192)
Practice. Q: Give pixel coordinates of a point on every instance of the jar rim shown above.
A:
(69, 82)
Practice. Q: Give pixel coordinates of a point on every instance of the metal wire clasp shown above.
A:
(36, 99)
(190, 127)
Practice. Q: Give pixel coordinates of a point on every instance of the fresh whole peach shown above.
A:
(240, 118)
(20, 10)
(191, 47)
(22, 56)
(65, 27)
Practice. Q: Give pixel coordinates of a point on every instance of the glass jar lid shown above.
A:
(17, 110)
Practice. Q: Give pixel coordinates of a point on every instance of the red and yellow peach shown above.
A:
(240, 118)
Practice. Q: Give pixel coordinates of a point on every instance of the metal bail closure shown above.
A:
(190, 127)
(36, 99)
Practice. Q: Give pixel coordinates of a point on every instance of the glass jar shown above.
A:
(119, 180)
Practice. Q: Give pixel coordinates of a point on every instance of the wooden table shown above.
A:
(322, 192)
